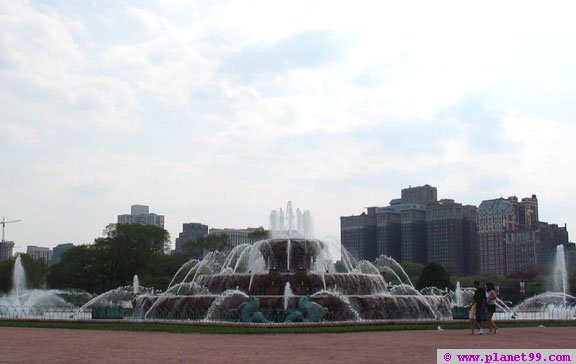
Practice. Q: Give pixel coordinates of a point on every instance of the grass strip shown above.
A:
(256, 329)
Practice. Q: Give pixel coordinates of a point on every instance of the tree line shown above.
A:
(113, 260)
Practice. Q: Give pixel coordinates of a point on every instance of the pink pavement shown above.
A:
(31, 345)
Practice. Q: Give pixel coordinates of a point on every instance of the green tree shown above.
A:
(161, 270)
(150, 238)
(572, 284)
(6, 268)
(81, 267)
(434, 275)
(111, 261)
(127, 251)
(413, 270)
(36, 271)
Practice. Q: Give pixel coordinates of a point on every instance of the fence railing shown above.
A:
(559, 313)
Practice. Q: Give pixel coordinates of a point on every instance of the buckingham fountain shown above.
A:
(290, 277)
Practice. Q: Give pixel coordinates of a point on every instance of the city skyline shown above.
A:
(22, 248)
(219, 112)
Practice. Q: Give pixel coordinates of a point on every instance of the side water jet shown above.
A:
(287, 295)
(18, 278)
(560, 272)
(555, 304)
(135, 285)
(21, 301)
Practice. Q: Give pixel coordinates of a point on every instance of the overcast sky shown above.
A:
(220, 111)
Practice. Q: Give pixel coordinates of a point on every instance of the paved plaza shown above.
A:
(31, 345)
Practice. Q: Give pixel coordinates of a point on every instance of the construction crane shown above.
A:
(4, 222)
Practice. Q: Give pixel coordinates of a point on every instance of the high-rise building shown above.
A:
(59, 251)
(237, 236)
(470, 232)
(495, 217)
(190, 232)
(388, 232)
(450, 234)
(358, 235)
(139, 214)
(422, 195)
(511, 239)
(521, 250)
(551, 235)
(570, 256)
(413, 235)
(6, 248)
(501, 236)
(136, 210)
(39, 253)
(527, 212)
(523, 239)
(508, 235)
(397, 230)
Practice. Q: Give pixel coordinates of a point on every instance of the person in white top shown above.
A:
(491, 297)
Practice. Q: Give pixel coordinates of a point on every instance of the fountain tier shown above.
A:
(216, 287)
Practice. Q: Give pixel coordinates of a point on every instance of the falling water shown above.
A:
(458, 295)
(290, 216)
(221, 300)
(394, 274)
(135, 285)
(288, 253)
(18, 278)
(287, 294)
(186, 265)
(386, 261)
(341, 297)
(560, 272)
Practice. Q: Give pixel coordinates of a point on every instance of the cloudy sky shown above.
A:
(220, 111)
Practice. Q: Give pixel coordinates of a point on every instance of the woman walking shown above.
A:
(491, 297)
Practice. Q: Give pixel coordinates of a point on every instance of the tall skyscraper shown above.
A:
(6, 248)
(358, 235)
(397, 230)
(422, 195)
(523, 238)
(59, 251)
(190, 232)
(38, 252)
(413, 235)
(450, 234)
(388, 232)
(495, 217)
(508, 236)
(470, 232)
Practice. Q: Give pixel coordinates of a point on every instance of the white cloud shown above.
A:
(220, 111)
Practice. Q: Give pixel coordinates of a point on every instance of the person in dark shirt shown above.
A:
(481, 306)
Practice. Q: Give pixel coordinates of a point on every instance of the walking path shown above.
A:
(32, 345)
